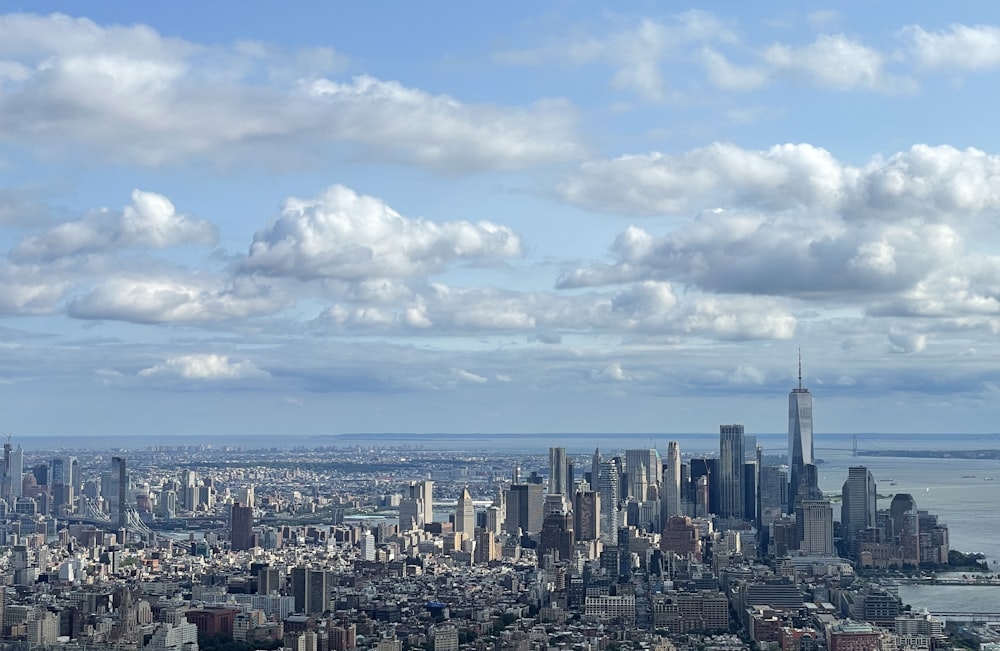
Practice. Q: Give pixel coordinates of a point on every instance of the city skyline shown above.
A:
(235, 219)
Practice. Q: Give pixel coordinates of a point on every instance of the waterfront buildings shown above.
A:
(858, 508)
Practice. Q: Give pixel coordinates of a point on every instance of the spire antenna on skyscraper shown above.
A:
(800, 368)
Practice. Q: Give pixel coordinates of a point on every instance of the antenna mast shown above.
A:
(800, 368)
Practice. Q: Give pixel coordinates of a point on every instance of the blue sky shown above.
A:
(318, 218)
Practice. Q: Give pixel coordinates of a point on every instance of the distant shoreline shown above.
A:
(933, 454)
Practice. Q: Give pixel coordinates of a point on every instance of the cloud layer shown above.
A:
(129, 94)
(600, 214)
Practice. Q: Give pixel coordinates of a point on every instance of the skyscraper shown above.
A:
(817, 528)
(5, 477)
(368, 546)
(411, 514)
(800, 437)
(524, 508)
(60, 485)
(558, 470)
(773, 492)
(117, 499)
(465, 514)
(557, 535)
(241, 528)
(417, 508)
(595, 470)
(644, 470)
(16, 471)
(901, 503)
(610, 489)
(857, 511)
(311, 590)
(587, 515)
(731, 471)
(426, 493)
(672, 483)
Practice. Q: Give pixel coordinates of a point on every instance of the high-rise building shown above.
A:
(731, 471)
(773, 492)
(644, 470)
(416, 510)
(610, 489)
(587, 515)
(59, 482)
(624, 539)
(595, 470)
(425, 491)
(465, 514)
(901, 503)
(368, 546)
(241, 528)
(16, 471)
(525, 504)
(311, 590)
(485, 550)
(700, 471)
(246, 496)
(857, 511)
(411, 514)
(557, 535)
(909, 537)
(5, 474)
(672, 483)
(817, 528)
(800, 437)
(118, 493)
(751, 491)
(558, 472)
(58, 472)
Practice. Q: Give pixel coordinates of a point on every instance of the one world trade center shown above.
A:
(800, 438)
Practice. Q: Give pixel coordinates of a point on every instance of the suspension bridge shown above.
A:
(858, 443)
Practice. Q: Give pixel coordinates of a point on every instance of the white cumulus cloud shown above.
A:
(960, 47)
(636, 49)
(203, 367)
(836, 62)
(176, 300)
(149, 221)
(347, 236)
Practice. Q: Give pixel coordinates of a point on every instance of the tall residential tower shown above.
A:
(731, 453)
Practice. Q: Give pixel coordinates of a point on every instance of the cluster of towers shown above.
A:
(639, 489)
